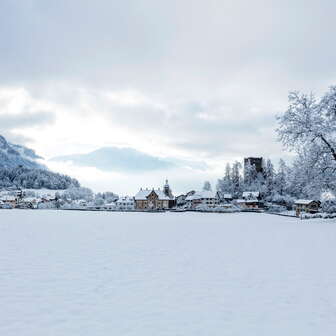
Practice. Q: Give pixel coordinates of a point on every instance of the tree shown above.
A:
(207, 186)
(309, 127)
(281, 178)
(308, 121)
(236, 179)
(269, 178)
(225, 184)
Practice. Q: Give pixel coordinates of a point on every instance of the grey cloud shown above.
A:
(146, 43)
(9, 122)
(22, 120)
(207, 64)
(198, 127)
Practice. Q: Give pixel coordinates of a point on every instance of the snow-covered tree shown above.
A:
(269, 178)
(250, 174)
(99, 201)
(236, 179)
(225, 184)
(31, 178)
(207, 186)
(309, 128)
(281, 178)
(77, 194)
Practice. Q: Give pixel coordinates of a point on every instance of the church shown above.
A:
(154, 199)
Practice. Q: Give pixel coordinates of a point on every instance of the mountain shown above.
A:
(19, 168)
(125, 159)
(12, 156)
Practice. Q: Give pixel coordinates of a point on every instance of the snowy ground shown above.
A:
(97, 273)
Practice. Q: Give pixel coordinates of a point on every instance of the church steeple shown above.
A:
(166, 189)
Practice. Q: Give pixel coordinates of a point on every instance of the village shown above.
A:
(162, 199)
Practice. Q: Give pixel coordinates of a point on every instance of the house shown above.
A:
(181, 199)
(249, 203)
(205, 197)
(250, 200)
(81, 203)
(224, 197)
(48, 198)
(125, 203)
(251, 195)
(310, 206)
(5, 205)
(29, 202)
(154, 199)
(110, 206)
(9, 199)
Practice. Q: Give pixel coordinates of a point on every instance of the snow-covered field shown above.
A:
(97, 273)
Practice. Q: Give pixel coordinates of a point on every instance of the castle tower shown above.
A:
(256, 161)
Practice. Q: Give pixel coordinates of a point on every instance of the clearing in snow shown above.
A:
(66, 273)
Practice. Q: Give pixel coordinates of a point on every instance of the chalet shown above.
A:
(249, 203)
(309, 206)
(125, 203)
(251, 195)
(250, 200)
(208, 198)
(181, 199)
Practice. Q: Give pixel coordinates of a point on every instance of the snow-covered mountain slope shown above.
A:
(12, 156)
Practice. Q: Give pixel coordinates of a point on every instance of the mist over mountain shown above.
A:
(12, 156)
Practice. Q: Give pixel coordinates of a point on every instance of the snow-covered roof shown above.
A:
(80, 201)
(143, 194)
(189, 198)
(303, 201)
(247, 201)
(201, 195)
(222, 194)
(125, 199)
(251, 193)
(48, 197)
(8, 198)
(29, 199)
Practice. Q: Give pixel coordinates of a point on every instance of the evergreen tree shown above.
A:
(225, 184)
(207, 186)
(236, 179)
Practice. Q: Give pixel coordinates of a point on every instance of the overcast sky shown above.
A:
(194, 80)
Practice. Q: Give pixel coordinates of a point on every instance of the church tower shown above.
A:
(167, 191)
